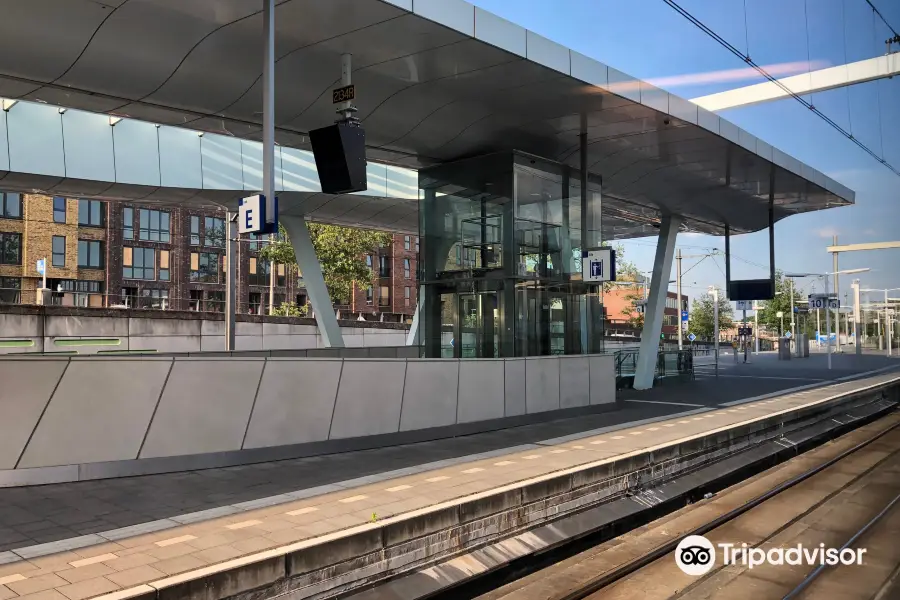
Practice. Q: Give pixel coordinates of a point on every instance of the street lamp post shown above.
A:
(887, 329)
(715, 294)
(828, 310)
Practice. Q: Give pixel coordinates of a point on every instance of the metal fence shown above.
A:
(670, 365)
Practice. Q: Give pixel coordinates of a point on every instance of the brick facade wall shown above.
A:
(37, 227)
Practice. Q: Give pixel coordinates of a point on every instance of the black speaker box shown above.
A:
(340, 152)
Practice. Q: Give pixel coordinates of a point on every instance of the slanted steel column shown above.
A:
(412, 338)
(656, 303)
(314, 280)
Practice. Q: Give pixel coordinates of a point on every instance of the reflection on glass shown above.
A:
(501, 247)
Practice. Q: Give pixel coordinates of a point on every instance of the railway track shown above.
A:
(843, 495)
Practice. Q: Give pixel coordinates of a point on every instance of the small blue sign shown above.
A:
(597, 269)
(788, 334)
(40, 266)
(685, 316)
(692, 337)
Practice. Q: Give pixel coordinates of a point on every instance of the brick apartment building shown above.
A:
(147, 256)
(618, 306)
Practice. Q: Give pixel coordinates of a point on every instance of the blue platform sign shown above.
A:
(692, 337)
(253, 215)
(685, 316)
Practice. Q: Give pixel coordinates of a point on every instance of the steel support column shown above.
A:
(314, 280)
(656, 303)
(268, 130)
(231, 259)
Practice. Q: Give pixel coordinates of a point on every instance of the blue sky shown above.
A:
(649, 40)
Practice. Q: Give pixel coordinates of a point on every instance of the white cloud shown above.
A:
(826, 232)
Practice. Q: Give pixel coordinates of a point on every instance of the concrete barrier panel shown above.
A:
(289, 342)
(25, 388)
(295, 402)
(429, 395)
(69, 326)
(514, 384)
(212, 343)
(165, 343)
(369, 398)
(164, 327)
(603, 379)
(100, 412)
(205, 407)
(574, 381)
(248, 342)
(541, 384)
(481, 393)
(35, 344)
(19, 326)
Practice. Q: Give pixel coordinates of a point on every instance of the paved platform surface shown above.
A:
(94, 565)
(50, 513)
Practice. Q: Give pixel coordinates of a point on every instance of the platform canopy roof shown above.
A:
(436, 80)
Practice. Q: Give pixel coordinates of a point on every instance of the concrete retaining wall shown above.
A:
(73, 418)
(133, 330)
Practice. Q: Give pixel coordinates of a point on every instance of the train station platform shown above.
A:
(250, 527)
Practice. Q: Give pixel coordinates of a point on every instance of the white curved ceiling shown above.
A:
(436, 80)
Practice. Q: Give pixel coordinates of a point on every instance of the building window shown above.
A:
(255, 303)
(369, 293)
(164, 265)
(195, 231)
(10, 205)
(91, 212)
(384, 296)
(155, 299)
(281, 277)
(205, 267)
(90, 254)
(76, 285)
(254, 244)
(259, 272)
(406, 268)
(417, 243)
(406, 242)
(195, 300)
(10, 248)
(10, 290)
(369, 260)
(406, 296)
(214, 232)
(384, 266)
(139, 263)
(154, 225)
(59, 251)
(215, 301)
(128, 223)
(59, 209)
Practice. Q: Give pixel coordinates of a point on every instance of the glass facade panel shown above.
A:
(501, 243)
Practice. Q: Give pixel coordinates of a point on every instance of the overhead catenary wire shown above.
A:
(746, 58)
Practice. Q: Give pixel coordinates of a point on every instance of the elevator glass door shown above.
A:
(477, 326)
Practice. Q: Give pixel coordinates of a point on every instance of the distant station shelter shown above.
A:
(508, 154)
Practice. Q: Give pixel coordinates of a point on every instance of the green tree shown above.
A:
(702, 317)
(341, 251)
(768, 315)
(290, 309)
(627, 271)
